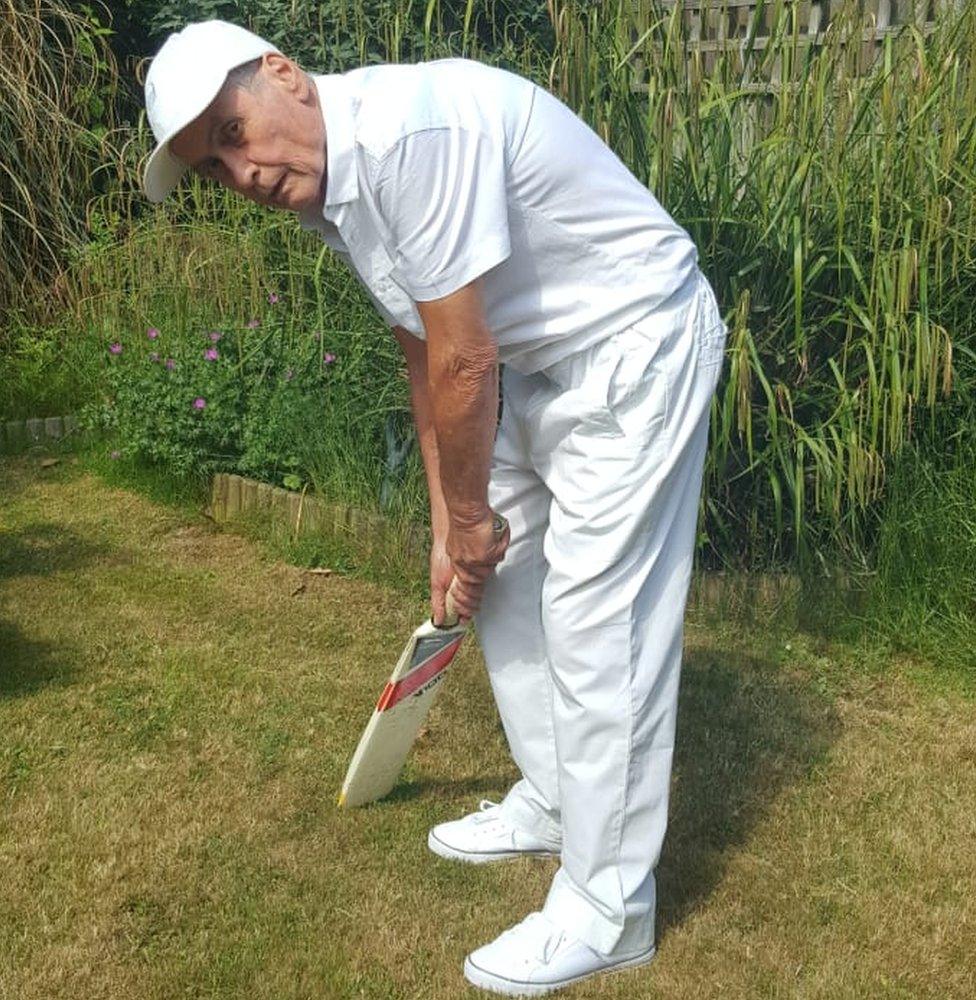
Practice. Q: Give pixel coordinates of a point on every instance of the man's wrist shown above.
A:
(440, 524)
(469, 516)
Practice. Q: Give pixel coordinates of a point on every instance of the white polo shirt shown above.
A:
(443, 172)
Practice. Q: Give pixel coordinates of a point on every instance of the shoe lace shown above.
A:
(549, 936)
(488, 811)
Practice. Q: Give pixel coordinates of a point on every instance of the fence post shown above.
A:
(249, 494)
(279, 504)
(218, 497)
(233, 496)
(16, 434)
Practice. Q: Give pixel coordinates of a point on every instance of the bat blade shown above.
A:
(404, 703)
(399, 714)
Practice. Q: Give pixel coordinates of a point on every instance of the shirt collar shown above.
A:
(342, 184)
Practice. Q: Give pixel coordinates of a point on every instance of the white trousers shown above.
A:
(598, 466)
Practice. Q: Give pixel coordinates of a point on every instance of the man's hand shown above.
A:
(474, 549)
(441, 577)
(473, 566)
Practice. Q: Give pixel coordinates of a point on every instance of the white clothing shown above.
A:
(536, 957)
(612, 343)
(598, 466)
(439, 173)
(485, 836)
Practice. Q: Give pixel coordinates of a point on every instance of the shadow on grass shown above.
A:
(27, 665)
(746, 732)
(484, 785)
(44, 547)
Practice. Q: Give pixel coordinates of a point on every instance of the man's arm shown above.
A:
(456, 408)
(441, 570)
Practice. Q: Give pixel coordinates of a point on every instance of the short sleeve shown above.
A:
(398, 313)
(442, 194)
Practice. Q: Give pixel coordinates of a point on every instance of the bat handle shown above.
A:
(498, 527)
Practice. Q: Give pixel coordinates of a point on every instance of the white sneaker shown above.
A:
(485, 836)
(536, 957)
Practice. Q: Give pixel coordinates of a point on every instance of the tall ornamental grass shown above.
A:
(835, 216)
(833, 208)
(57, 87)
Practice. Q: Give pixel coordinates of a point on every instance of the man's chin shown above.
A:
(298, 202)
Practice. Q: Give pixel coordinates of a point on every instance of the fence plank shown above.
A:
(233, 503)
(249, 494)
(16, 435)
(218, 497)
(714, 29)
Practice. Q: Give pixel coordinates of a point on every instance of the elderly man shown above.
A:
(489, 224)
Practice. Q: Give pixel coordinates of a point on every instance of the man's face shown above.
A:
(266, 140)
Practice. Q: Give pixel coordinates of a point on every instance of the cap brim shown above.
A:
(163, 172)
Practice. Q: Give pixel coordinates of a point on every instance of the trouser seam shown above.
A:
(539, 566)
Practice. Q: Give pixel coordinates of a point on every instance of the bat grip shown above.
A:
(498, 527)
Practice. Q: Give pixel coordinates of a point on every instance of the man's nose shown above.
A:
(243, 173)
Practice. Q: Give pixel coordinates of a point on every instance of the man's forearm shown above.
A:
(463, 394)
(427, 437)
(415, 352)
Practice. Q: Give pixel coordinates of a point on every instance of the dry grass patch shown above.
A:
(175, 720)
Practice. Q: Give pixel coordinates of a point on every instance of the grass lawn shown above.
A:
(176, 714)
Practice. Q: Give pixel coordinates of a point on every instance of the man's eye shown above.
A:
(233, 130)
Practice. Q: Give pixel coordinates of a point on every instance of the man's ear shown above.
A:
(285, 73)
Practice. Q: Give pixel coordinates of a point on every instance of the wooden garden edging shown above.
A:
(370, 534)
(19, 435)
(374, 536)
(232, 496)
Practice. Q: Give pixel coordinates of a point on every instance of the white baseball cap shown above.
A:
(183, 79)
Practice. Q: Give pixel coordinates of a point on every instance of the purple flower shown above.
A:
(152, 333)
(170, 364)
(273, 298)
(115, 348)
(199, 403)
(211, 354)
(289, 375)
(153, 356)
(253, 324)
(115, 454)
(328, 359)
(215, 335)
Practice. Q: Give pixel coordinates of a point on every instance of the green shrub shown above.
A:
(260, 398)
(922, 594)
(337, 35)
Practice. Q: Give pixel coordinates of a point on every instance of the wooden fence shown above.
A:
(739, 32)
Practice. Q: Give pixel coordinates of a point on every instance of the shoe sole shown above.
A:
(513, 988)
(481, 857)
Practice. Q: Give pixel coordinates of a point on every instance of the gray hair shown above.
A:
(243, 76)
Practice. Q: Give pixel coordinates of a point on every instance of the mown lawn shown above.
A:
(176, 714)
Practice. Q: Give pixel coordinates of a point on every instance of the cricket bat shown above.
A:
(403, 705)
